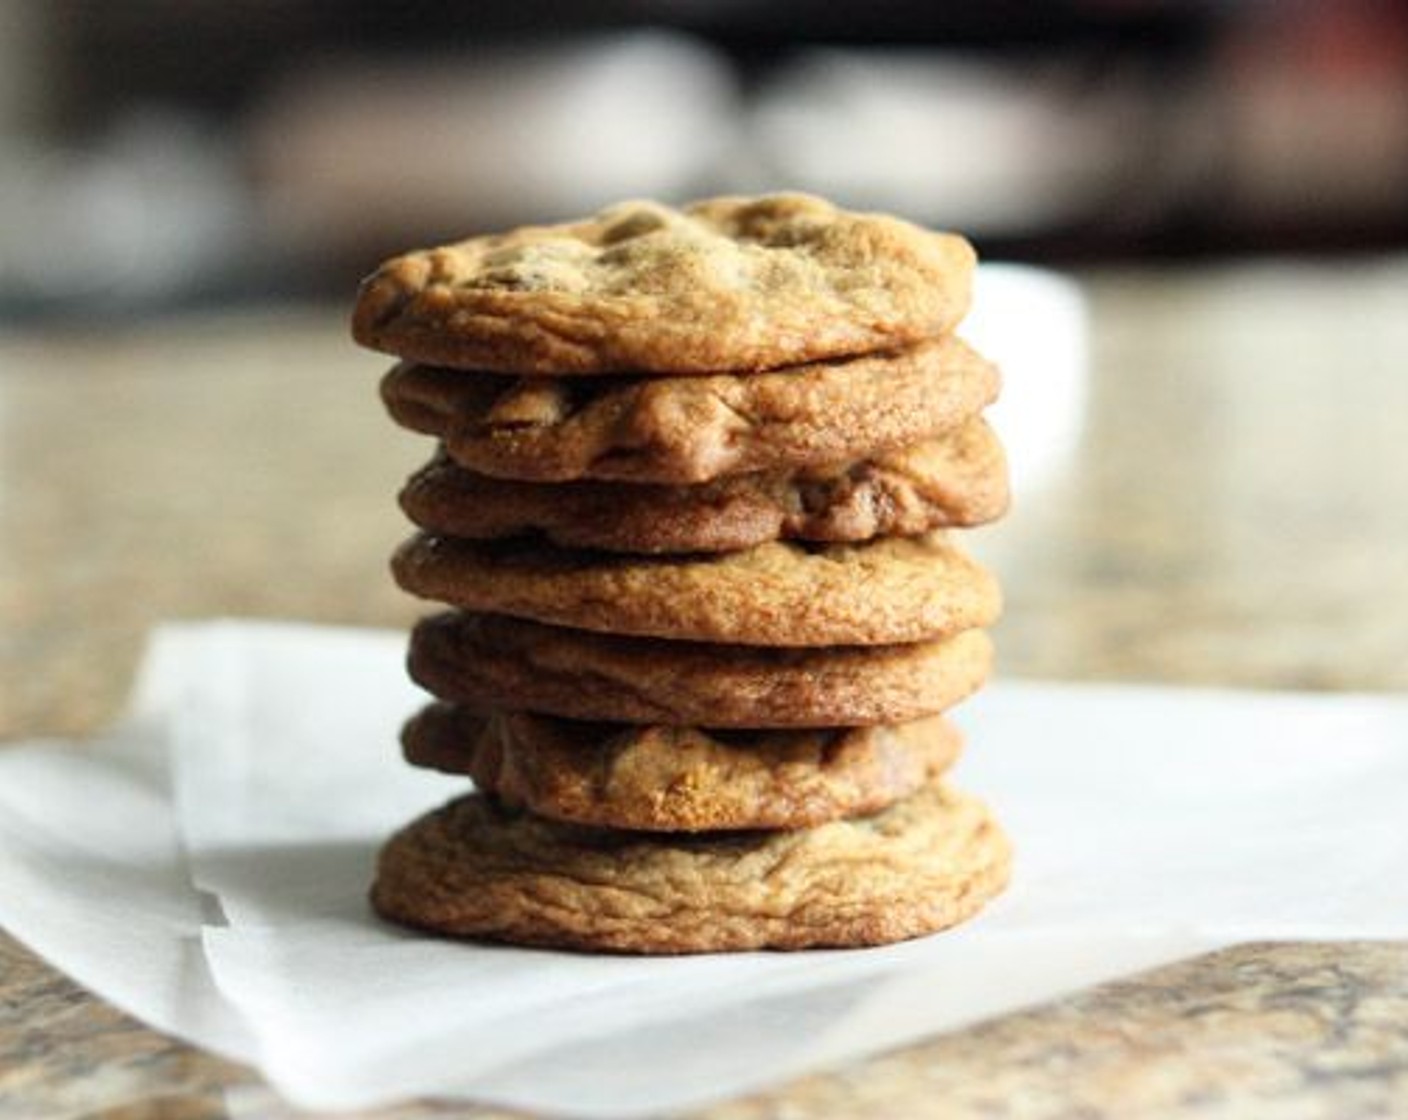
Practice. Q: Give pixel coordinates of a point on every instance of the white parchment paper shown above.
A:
(1150, 824)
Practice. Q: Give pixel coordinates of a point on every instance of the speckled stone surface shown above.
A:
(1232, 513)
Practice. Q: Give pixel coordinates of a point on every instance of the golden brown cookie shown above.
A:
(680, 779)
(728, 283)
(958, 480)
(471, 869)
(693, 429)
(490, 661)
(778, 594)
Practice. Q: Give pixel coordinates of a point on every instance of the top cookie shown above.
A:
(725, 284)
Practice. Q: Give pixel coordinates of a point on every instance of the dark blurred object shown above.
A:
(1317, 116)
(161, 151)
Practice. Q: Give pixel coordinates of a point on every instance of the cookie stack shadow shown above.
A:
(691, 511)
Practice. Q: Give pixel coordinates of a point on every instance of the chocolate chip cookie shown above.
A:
(693, 429)
(665, 778)
(475, 869)
(778, 594)
(728, 283)
(487, 661)
(957, 480)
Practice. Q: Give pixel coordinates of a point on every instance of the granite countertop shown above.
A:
(1229, 510)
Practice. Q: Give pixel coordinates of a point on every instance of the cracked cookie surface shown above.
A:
(683, 430)
(777, 594)
(957, 480)
(671, 778)
(490, 661)
(724, 284)
(471, 869)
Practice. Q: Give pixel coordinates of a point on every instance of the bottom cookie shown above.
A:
(471, 869)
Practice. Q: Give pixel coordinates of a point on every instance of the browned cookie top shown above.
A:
(724, 284)
(957, 480)
(490, 661)
(778, 594)
(680, 430)
(471, 869)
(670, 778)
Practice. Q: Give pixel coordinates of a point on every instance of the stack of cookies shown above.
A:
(688, 507)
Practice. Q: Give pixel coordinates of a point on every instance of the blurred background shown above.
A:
(169, 154)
